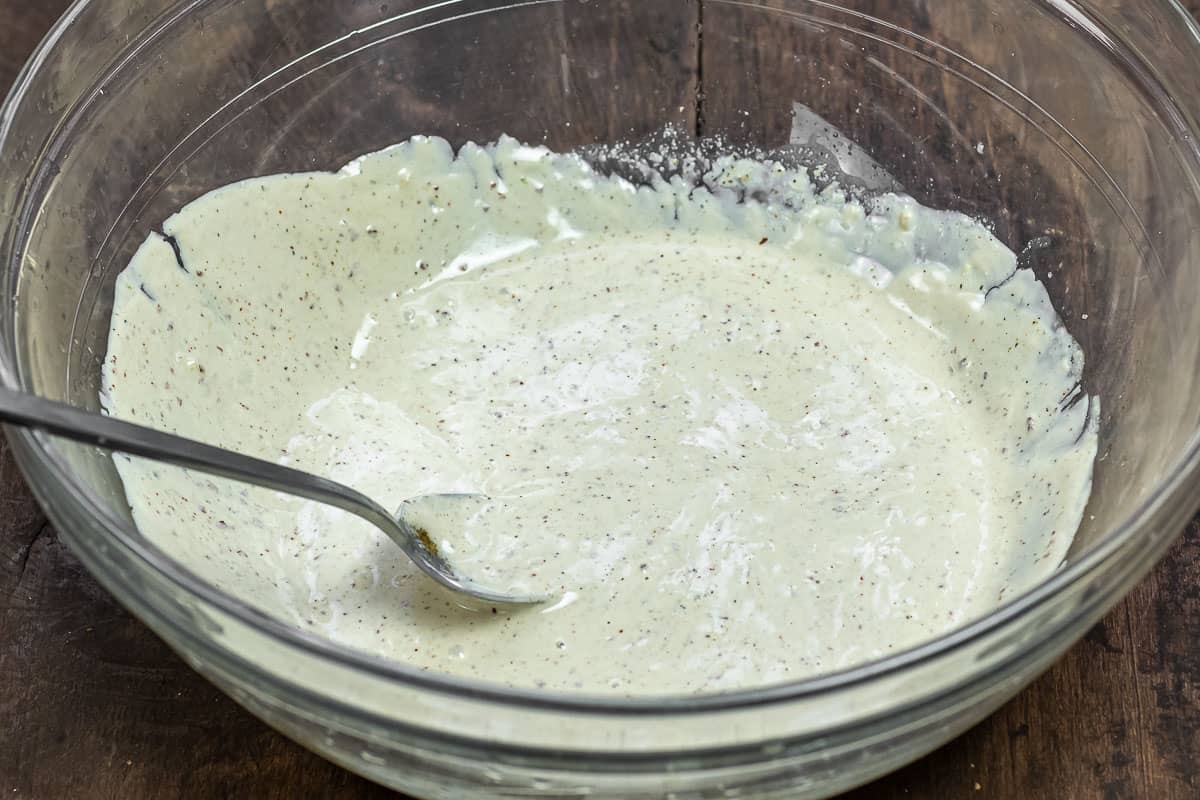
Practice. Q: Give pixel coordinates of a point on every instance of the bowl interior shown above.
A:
(1093, 182)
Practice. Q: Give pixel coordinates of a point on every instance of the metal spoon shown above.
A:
(20, 408)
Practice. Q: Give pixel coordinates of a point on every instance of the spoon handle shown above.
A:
(31, 411)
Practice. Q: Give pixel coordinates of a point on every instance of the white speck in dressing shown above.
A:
(744, 432)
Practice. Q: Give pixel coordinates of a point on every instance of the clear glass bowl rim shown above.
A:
(1173, 495)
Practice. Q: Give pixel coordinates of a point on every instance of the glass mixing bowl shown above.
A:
(1069, 126)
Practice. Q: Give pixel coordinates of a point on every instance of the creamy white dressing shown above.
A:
(741, 436)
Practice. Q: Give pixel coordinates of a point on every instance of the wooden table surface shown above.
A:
(93, 705)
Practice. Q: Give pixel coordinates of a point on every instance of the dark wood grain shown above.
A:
(93, 705)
